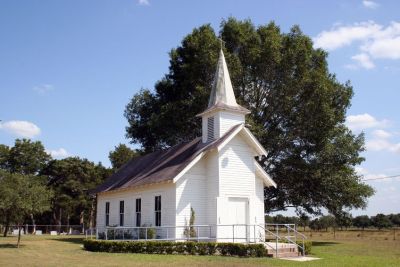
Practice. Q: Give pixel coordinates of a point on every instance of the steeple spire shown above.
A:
(222, 91)
(222, 95)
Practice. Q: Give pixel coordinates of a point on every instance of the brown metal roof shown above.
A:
(159, 166)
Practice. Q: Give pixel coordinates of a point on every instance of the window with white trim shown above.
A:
(121, 213)
(157, 210)
(107, 213)
(138, 212)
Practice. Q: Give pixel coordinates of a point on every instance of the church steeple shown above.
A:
(222, 91)
(222, 95)
(222, 111)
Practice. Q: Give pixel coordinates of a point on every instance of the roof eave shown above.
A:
(268, 181)
(215, 108)
(134, 187)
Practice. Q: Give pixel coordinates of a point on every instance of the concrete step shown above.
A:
(285, 250)
(282, 254)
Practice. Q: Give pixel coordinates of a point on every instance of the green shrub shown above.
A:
(211, 248)
(307, 246)
(151, 232)
(166, 247)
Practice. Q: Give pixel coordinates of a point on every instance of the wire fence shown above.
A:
(40, 229)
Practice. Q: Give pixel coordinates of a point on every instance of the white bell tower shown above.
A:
(222, 112)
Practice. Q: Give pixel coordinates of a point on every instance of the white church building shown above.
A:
(216, 175)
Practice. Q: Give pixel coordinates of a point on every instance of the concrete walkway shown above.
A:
(301, 258)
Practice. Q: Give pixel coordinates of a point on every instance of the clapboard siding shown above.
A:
(259, 202)
(147, 194)
(237, 169)
(191, 192)
(227, 120)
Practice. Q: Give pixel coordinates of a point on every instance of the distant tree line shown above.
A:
(37, 189)
(379, 221)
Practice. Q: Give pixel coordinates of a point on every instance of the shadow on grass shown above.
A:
(74, 240)
(321, 243)
(8, 245)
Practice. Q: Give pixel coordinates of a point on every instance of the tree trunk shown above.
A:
(68, 230)
(34, 225)
(59, 220)
(19, 235)
(6, 230)
(7, 226)
(81, 221)
(92, 209)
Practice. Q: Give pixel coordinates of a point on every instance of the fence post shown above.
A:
(276, 240)
(106, 233)
(254, 233)
(288, 231)
(233, 232)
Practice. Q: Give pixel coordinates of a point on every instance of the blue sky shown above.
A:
(68, 68)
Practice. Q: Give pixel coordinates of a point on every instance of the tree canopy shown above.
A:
(20, 197)
(25, 157)
(70, 179)
(121, 155)
(298, 110)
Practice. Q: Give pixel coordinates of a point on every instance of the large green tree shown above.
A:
(298, 109)
(121, 155)
(25, 157)
(362, 221)
(70, 179)
(381, 221)
(20, 197)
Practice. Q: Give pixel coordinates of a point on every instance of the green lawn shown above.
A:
(67, 251)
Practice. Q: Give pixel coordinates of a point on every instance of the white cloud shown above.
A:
(364, 121)
(58, 153)
(20, 128)
(384, 48)
(370, 4)
(43, 88)
(340, 36)
(143, 2)
(381, 142)
(364, 61)
(381, 134)
(375, 41)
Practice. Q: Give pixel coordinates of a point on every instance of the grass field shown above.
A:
(67, 251)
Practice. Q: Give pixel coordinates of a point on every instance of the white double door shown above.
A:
(238, 213)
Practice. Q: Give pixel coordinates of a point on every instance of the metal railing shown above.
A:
(243, 233)
(289, 234)
(38, 229)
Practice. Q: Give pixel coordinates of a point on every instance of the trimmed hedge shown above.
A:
(166, 247)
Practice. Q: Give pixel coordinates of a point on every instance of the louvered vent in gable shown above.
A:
(210, 129)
